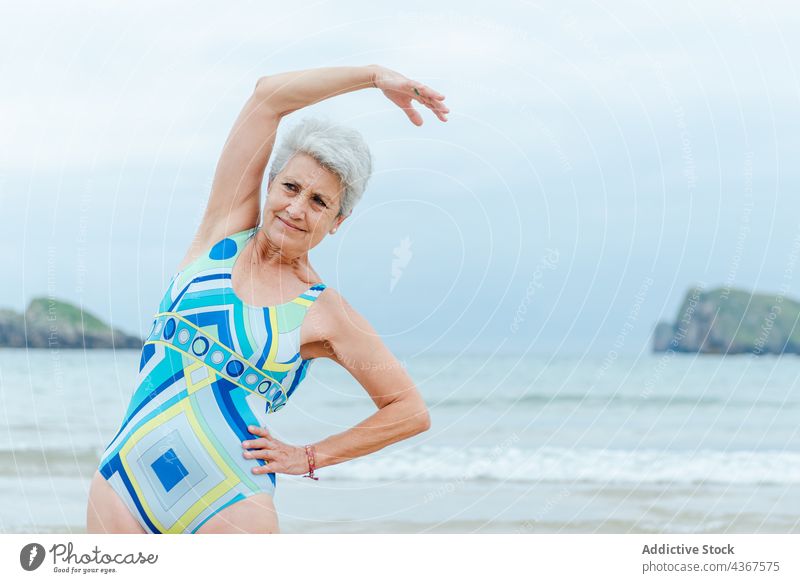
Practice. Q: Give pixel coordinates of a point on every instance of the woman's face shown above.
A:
(302, 205)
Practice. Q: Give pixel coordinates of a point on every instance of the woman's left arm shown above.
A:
(402, 412)
(352, 342)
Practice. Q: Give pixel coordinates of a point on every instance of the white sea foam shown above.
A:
(452, 464)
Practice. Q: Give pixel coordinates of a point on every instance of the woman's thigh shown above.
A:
(253, 515)
(107, 513)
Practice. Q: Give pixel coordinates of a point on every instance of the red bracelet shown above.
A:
(312, 463)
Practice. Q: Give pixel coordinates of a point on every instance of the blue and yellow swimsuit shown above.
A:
(211, 366)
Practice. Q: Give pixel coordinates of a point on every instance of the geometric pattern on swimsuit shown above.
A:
(211, 366)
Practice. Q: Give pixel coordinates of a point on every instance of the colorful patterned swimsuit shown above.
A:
(211, 366)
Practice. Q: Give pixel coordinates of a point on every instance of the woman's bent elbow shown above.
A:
(424, 421)
(261, 84)
(266, 95)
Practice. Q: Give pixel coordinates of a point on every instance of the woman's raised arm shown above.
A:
(235, 201)
(288, 92)
(293, 90)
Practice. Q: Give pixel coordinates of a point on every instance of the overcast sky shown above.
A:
(599, 159)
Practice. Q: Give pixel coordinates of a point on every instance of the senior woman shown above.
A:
(242, 319)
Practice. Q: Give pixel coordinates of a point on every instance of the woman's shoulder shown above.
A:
(332, 315)
(329, 300)
(215, 247)
(336, 330)
(327, 304)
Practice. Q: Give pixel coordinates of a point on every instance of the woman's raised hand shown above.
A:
(402, 91)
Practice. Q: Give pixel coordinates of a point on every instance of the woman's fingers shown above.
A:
(271, 464)
(283, 459)
(433, 100)
(424, 91)
(266, 440)
(439, 110)
(404, 92)
(260, 454)
(413, 115)
(440, 113)
(428, 94)
(271, 467)
(260, 443)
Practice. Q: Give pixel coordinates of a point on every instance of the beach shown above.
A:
(554, 444)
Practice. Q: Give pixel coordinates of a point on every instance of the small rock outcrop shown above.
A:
(731, 321)
(50, 323)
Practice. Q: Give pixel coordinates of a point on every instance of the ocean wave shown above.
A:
(55, 461)
(457, 466)
(454, 465)
(661, 401)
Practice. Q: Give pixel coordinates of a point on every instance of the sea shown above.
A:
(519, 443)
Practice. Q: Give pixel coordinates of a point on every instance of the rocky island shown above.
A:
(731, 321)
(49, 323)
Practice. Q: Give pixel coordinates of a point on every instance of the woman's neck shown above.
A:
(265, 252)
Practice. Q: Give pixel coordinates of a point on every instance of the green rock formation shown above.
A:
(50, 323)
(731, 321)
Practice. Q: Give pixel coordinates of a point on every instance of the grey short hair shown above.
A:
(338, 148)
